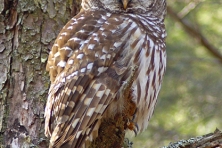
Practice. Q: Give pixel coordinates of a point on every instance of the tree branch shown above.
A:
(187, 9)
(212, 140)
(195, 33)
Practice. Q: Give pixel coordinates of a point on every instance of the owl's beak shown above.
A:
(125, 3)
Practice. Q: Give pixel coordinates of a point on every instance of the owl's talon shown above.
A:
(133, 126)
(136, 129)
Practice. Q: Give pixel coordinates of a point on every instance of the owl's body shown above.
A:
(92, 60)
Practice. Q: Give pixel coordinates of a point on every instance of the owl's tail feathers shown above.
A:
(77, 139)
(84, 139)
(85, 115)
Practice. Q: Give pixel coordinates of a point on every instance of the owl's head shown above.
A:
(154, 7)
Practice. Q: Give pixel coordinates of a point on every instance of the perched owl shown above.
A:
(109, 44)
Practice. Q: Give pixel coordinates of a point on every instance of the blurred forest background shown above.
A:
(190, 101)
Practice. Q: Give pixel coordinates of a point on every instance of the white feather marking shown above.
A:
(83, 70)
(78, 134)
(81, 18)
(96, 55)
(71, 75)
(96, 39)
(74, 73)
(151, 23)
(64, 33)
(61, 64)
(108, 14)
(70, 28)
(103, 17)
(104, 50)
(70, 104)
(70, 62)
(103, 57)
(107, 92)
(57, 54)
(91, 46)
(96, 86)
(151, 44)
(89, 66)
(100, 94)
(86, 41)
(81, 31)
(87, 101)
(74, 123)
(63, 80)
(117, 44)
(116, 19)
(62, 106)
(66, 48)
(156, 47)
(80, 56)
(104, 34)
(108, 56)
(137, 33)
(88, 130)
(75, 39)
(155, 34)
(90, 111)
(100, 21)
(68, 91)
(132, 26)
(79, 88)
(74, 23)
(113, 31)
(101, 28)
(100, 70)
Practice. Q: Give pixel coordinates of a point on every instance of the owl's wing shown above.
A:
(78, 105)
(84, 76)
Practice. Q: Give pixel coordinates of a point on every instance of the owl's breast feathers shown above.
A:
(91, 59)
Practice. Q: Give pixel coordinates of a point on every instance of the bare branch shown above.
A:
(188, 8)
(195, 33)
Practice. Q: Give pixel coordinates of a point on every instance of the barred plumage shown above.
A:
(93, 58)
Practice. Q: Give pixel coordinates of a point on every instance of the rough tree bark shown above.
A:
(28, 29)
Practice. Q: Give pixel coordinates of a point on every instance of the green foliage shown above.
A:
(190, 100)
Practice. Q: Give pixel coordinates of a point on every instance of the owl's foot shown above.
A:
(132, 126)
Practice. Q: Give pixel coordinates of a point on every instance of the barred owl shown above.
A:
(94, 58)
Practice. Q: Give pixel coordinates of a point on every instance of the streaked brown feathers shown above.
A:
(91, 61)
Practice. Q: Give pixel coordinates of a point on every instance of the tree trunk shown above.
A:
(27, 31)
